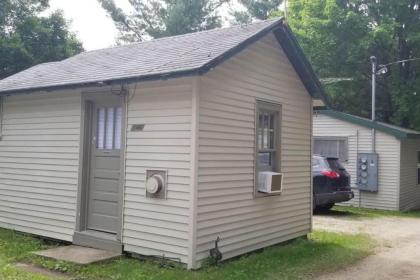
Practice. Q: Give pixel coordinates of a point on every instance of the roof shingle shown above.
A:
(160, 56)
(189, 54)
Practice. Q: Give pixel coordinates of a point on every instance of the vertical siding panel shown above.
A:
(226, 206)
(156, 226)
(39, 163)
(359, 140)
(409, 190)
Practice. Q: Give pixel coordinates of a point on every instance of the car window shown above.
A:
(335, 164)
(317, 164)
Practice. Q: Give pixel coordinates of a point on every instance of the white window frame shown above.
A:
(337, 138)
(262, 105)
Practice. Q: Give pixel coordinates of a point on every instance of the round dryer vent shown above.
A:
(156, 183)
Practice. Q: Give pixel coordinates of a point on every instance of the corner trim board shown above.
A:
(192, 262)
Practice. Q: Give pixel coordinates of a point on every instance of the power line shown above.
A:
(400, 61)
(327, 81)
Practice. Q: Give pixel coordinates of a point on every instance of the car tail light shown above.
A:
(330, 174)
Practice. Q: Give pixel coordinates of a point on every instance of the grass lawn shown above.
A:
(299, 259)
(373, 213)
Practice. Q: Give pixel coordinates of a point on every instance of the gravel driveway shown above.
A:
(397, 255)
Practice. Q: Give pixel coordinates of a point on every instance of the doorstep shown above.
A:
(78, 254)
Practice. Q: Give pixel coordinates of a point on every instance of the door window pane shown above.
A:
(117, 136)
(110, 120)
(108, 132)
(100, 130)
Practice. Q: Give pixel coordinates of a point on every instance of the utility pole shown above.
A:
(285, 9)
(373, 61)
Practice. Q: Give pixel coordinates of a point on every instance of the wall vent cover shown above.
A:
(156, 183)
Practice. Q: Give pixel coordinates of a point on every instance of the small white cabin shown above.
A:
(155, 148)
(398, 152)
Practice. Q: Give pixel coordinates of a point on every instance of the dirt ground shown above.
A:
(397, 255)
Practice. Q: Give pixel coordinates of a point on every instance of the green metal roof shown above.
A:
(398, 132)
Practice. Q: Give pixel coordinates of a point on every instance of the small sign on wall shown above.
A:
(137, 127)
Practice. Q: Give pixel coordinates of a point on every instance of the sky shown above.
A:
(90, 22)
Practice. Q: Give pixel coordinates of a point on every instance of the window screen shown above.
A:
(266, 140)
(330, 147)
(108, 128)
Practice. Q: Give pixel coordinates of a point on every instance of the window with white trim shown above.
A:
(108, 130)
(268, 123)
(418, 167)
(331, 147)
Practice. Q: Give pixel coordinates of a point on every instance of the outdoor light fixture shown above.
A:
(382, 69)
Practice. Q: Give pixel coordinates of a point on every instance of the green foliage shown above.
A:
(299, 259)
(27, 39)
(256, 9)
(161, 18)
(14, 247)
(339, 36)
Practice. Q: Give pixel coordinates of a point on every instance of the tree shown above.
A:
(161, 18)
(339, 36)
(27, 39)
(256, 9)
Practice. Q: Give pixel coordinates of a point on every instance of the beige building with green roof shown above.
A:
(345, 136)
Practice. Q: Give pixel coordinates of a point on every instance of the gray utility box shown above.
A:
(367, 172)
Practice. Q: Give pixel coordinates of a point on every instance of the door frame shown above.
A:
(87, 100)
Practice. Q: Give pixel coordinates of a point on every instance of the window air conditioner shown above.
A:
(270, 182)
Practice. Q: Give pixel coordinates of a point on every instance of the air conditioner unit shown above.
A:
(270, 182)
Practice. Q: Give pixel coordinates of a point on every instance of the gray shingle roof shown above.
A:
(188, 54)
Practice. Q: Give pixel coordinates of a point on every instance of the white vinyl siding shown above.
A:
(39, 162)
(159, 226)
(410, 190)
(226, 205)
(359, 141)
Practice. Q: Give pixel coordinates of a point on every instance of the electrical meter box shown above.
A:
(367, 172)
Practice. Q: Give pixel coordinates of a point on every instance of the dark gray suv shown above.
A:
(331, 182)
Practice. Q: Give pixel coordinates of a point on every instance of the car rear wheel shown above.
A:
(326, 206)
